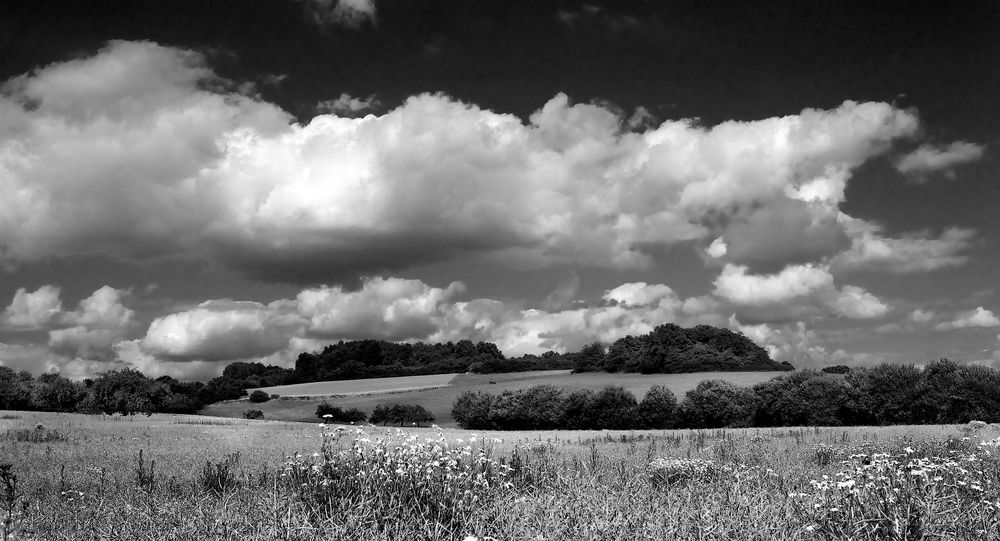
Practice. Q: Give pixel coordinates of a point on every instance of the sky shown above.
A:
(190, 183)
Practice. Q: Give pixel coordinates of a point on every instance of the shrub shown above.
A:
(259, 396)
(401, 413)
(658, 408)
(716, 403)
(253, 414)
(333, 414)
(837, 369)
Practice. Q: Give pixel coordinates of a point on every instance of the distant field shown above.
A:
(439, 400)
(360, 386)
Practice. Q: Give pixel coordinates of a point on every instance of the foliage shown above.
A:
(253, 414)
(401, 414)
(125, 392)
(332, 414)
(716, 403)
(259, 396)
(672, 349)
(837, 369)
(658, 408)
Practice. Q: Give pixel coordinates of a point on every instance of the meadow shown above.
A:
(360, 386)
(439, 400)
(196, 477)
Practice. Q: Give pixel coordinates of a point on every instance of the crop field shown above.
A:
(191, 477)
(360, 386)
(439, 400)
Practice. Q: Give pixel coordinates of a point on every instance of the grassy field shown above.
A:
(81, 477)
(360, 386)
(439, 400)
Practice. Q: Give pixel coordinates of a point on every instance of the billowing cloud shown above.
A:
(918, 252)
(387, 308)
(638, 294)
(737, 285)
(221, 330)
(34, 310)
(142, 152)
(855, 303)
(930, 158)
(793, 289)
(344, 13)
(347, 105)
(978, 318)
(97, 325)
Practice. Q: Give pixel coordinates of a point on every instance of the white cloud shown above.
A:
(918, 252)
(344, 13)
(921, 316)
(34, 310)
(737, 285)
(141, 152)
(387, 308)
(221, 330)
(978, 318)
(638, 294)
(928, 158)
(856, 303)
(347, 105)
(100, 321)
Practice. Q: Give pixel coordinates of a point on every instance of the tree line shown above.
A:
(944, 392)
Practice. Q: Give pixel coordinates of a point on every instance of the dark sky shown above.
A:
(250, 179)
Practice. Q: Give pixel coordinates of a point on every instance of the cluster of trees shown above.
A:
(125, 391)
(942, 393)
(400, 414)
(547, 407)
(333, 414)
(670, 349)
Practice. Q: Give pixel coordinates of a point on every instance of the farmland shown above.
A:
(439, 400)
(81, 477)
(360, 386)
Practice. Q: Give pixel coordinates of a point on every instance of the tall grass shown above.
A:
(376, 484)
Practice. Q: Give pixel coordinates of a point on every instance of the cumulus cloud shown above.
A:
(347, 105)
(141, 152)
(737, 285)
(344, 13)
(35, 309)
(929, 158)
(978, 318)
(387, 308)
(221, 330)
(100, 321)
(803, 284)
(917, 252)
(638, 294)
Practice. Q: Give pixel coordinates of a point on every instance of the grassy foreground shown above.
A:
(187, 477)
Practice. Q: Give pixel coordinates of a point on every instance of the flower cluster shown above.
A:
(895, 495)
(429, 475)
(671, 470)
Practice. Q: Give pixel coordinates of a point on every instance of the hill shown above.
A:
(670, 349)
(439, 400)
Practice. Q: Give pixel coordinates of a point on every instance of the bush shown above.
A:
(333, 414)
(716, 403)
(658, 408)
(259, 396)
(401, 413)
(837, 369)
(253, 414)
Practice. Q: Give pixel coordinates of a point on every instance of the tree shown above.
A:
(590, 358)
(126, 392)
(612, 408)
(53, 392)
(717, 403)
(15, 389)
(658, 408)
(259, 396)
